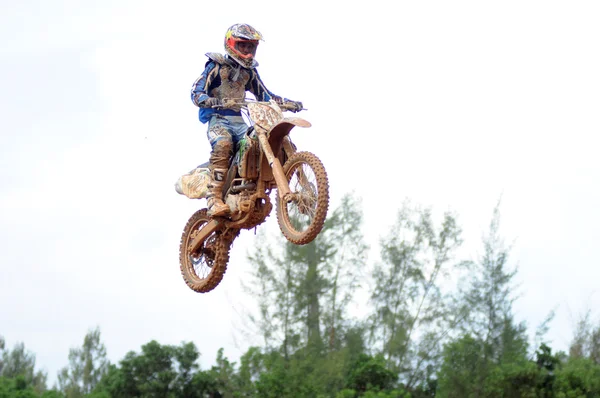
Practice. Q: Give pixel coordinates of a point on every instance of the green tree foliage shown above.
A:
(462, 359)
(422, 339)
(16, 387)
(578, 377)
(2, 344)
(274, 289)
(87, 365)
(170, 371)
(407, 296)
(343, 267)
(370, 373)
(304, 375)
(18, 364)
(224, 374)
(493, 347)
(489, 299)
(547, 376)
(150, 373)
(586, 341)
(303, 293)
(186, 357)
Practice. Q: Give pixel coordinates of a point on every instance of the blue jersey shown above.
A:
(223, 78)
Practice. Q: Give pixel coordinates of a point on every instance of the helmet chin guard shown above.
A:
(241, 41)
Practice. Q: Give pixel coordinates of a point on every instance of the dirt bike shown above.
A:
(265, 159)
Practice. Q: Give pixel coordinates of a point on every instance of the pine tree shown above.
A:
(410, 318)
(303, 291)
(303, 294)
(492, 340)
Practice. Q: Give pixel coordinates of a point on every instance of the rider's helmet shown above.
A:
(241, 41)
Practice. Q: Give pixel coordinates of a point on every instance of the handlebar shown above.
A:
(289, 106)
(233, 103)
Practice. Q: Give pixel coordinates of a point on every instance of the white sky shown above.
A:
(451, 104)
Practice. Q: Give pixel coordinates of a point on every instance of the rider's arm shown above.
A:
(199, 92)
(258, 88)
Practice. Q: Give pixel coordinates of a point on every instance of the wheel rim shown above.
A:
(202, 262)
(302, 207)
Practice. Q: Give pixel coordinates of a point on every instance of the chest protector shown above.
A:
(233, 79)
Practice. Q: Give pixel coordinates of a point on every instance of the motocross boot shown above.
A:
(216, 207)
(219, 163)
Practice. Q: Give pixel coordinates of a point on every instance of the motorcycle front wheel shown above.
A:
(302, 218)
(203, 270)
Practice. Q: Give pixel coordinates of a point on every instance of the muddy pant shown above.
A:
(224, 133)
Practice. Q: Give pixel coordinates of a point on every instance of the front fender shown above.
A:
(283, 128)
(296, 121)
(275, 138)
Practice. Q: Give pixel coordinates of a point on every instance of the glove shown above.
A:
(212, 102)
(297, 106)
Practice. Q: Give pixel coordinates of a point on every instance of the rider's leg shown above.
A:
(219, 163)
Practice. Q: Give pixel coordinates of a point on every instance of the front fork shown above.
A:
(283, 187)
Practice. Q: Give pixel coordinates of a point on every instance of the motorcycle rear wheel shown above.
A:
(203, 271)
(301, 219)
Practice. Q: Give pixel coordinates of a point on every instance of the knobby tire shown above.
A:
(297, 166)
(213, 254)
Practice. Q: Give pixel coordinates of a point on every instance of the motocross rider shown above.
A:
(228, 76)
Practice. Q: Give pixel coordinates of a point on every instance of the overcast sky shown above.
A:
(451, 104)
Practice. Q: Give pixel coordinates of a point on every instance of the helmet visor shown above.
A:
(246, 48)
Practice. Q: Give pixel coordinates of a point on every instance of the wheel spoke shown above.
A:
(301, 217)
(303, 186)
(203, 270)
